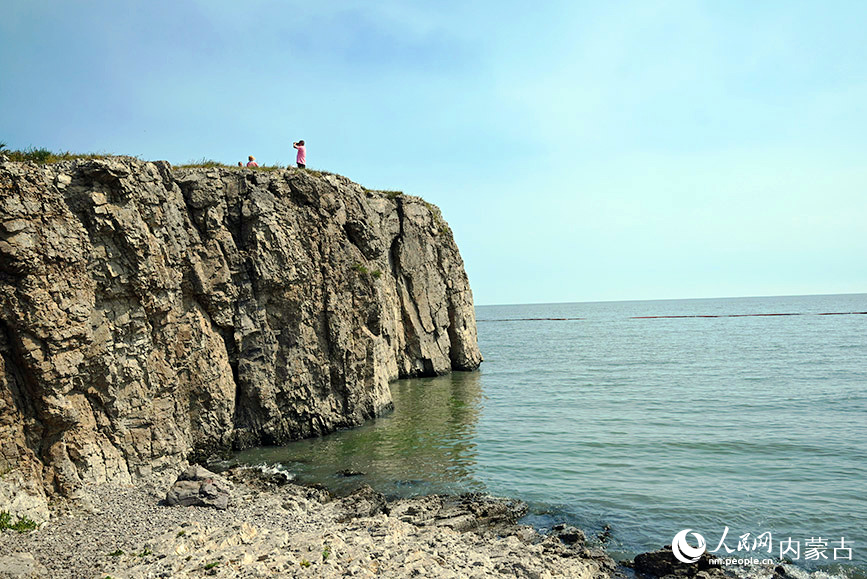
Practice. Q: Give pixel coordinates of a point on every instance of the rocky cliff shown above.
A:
(148, 313)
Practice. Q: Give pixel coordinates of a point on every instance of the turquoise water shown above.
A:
(647, 425)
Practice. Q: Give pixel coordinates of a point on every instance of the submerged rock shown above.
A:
(350, 473)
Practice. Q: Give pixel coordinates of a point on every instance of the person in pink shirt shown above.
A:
(301, 159)
(252, 161)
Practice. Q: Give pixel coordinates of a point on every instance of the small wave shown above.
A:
(272, 469)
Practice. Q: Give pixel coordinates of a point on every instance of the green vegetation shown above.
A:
(326, 552)
(319, 173)
(211, 565)
(361, 269)
(22, 525)
(180, 534)
(304, 563)
(44, 156)
(145, 553)
(203, 163)
(117, 553)
(270, 168)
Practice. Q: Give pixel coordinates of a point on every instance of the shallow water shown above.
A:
(645, 424)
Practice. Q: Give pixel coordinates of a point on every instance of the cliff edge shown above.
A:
(148, 313)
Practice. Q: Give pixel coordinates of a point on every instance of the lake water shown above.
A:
(647, 417)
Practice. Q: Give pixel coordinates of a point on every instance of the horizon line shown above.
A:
(673, 299)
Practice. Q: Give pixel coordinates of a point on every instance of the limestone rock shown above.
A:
(365, 502)
(467, 512)
(293, 531)
(149, 315)
(568, 534)
(199, 487)
(21, 566)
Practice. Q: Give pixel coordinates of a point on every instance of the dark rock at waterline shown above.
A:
(662, 563)
(781, 573)
(349, 473)
(278, 478)
(467, 512)
(568, 534)
(575, 541)
(268, 481)
(199, 487)
(365, 502)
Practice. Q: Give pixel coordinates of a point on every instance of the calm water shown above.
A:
(648, 425)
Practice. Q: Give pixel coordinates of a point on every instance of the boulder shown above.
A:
(662, 563)
(199, 487)
(568, 534)
(365, 502)
(467, 512)
(21, 566)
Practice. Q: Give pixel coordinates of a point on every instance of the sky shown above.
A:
(580, 150)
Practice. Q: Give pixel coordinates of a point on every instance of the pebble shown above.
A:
(132, 535)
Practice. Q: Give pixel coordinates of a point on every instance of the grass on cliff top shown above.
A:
(43, 156)
(205, 163)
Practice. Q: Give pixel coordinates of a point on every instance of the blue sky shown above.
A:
(581, 151)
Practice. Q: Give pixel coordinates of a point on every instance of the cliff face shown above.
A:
(147, 313)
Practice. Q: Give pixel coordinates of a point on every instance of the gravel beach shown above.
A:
(286, 530)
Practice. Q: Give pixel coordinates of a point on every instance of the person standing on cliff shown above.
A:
(301, 159)
(252, 161)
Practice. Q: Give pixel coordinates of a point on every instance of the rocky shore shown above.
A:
(272, 528)
(151, 316)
